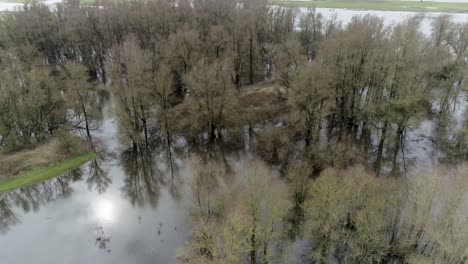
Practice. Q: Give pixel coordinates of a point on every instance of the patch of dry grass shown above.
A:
(50, 153)
(41, 174)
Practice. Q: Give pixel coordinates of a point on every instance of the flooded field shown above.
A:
(112, 210)
(122, 208)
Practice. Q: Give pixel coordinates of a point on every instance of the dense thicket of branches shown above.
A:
(297, 87)
(344, 216)
(219, 67)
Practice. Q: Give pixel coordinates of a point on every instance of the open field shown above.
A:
(414, 6)
(45, 173)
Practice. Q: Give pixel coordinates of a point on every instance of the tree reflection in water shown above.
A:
(147, 169)
(221, 153)
(169, 156)
(98, 178)
(33, 197)
(7, 216)
(142, 177)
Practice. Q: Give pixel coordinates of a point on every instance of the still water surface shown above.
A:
(117, 216)
(109, 211)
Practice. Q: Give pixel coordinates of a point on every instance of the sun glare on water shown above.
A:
(104, 210)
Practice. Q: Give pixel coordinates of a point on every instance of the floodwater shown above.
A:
(113, 210)
(18, 6)
(111, 216)
(390, 17)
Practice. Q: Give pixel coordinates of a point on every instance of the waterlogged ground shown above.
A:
(390, 17)
(106, 212)
(88, 217)
(87, 227)
(12, 6)
(110, 211)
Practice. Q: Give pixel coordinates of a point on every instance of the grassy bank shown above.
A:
(383, 5)
(41, 174)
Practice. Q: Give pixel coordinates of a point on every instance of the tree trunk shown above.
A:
(253, 250)
(378, 161)
(398, 139)
(85, 114)
(145, 128)
(212, 132)
(308, 135)
(135, 145)
(331, 126)
(251, 60)
(168, 141)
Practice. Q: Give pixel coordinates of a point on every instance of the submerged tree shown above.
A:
(80, 89)
(245, 219)
(209, 88)
(129, 69)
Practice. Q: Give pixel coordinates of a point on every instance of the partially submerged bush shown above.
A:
(342, 156)
(347, 214)
(358, 218)
(69, 144)
(299, 176)
(244, 220)
(274, 145)
(456, 150)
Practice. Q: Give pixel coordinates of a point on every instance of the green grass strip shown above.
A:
(383, 5)
(41, 174)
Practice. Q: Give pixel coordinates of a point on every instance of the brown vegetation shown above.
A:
(349, 215)
(329, 105)
(47, 154)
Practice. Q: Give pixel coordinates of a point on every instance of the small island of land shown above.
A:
(28, 167)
